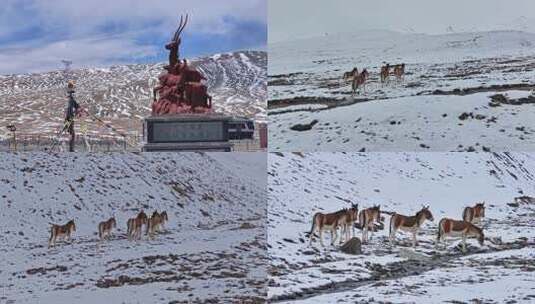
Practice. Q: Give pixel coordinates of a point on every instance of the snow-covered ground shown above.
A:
(501, 270)
(212, 250)
(446, 76)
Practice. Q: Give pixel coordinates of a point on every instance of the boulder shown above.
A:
(304, 127)
(353, 246)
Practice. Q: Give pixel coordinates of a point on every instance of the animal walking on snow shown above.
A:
(105, 228)
(61, 232)
(451, 228)
(410, 224)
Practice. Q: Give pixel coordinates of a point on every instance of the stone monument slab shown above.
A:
(186, 132)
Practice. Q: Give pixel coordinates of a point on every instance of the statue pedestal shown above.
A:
(186, 132)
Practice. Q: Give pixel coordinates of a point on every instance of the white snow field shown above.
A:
(446, 75)
(500, 271)
(212, 250)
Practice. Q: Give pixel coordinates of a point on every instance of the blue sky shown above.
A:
(35, 35)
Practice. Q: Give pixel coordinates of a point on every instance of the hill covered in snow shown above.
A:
(121, 95)
(213, 247)
(446, 77)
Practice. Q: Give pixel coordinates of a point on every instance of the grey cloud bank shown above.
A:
(289, 20)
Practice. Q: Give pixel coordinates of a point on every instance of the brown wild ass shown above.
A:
(359, 80)
(61, 232)
(135, 225)
(385, 72)
(399, 71)
(330, 222)
(351, 218)
(156, 221)
(349, 75)
(409, 223)
(464, 229)
(474, 214)
(367, 218)
(105, 228)
(165, 219)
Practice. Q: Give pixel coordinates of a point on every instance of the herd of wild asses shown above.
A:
(359, 79)
(367, 218)
(134, 227)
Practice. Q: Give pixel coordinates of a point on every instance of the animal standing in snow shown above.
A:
(474, 214)
(359, 80)
(330, 222)
(452, 228)
(367, 218)
(105, 228)
(349, 75)
(409, 223)
(156, 221)
(399, 71)
(61, 232)
(385, 72)
(165, 219)
(350, 219)
(135, 226)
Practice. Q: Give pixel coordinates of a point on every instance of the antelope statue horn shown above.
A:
(182, 24)
(175, 36)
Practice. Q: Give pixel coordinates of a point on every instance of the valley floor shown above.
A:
(500, 271)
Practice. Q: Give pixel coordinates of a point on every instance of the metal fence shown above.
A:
(246, 145)
(132, 143)
(34, 143)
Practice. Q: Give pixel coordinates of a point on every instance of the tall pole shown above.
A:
(67, 69)
(72, 106)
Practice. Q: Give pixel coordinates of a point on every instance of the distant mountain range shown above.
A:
(121, 94)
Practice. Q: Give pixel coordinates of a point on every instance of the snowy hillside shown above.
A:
(501, 270)
(121, 94)
(446, 76)
(213, 248)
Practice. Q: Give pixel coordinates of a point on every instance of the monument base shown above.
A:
(186, 132)
(189, 147)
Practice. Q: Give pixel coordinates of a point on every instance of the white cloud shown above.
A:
(293, 19)
(85, 52)
(73, 29)
(81, 17)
